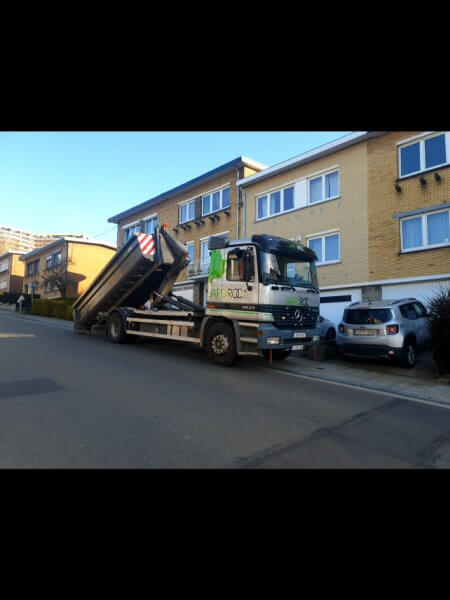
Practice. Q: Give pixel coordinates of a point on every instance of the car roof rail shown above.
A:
(402, 300)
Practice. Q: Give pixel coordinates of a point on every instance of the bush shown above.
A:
(439, 323)
(58, 308)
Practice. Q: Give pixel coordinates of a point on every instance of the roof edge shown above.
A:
(328, 148)
(240, 161)
(67, 239)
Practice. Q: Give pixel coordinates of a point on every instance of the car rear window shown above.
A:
(364, 316)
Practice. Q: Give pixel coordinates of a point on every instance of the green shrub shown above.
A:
(58, 308)
(439, 323)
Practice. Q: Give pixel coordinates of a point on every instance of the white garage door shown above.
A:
(187, 291)
(423, 291)
(333, 303)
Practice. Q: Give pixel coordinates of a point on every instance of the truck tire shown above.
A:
(221, 344)
(115, 328)
(277, 354)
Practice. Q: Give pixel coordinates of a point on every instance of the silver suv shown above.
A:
(394, 329)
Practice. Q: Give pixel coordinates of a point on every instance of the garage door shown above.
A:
(423, 291)
(187, 291)
(333, 303)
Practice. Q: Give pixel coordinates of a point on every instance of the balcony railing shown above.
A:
(198, 267)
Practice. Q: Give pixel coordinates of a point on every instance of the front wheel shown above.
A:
(276, 354)
(221, 345)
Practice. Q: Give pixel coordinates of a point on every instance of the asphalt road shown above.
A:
(79, 401)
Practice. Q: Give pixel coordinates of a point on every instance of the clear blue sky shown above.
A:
(61, 182)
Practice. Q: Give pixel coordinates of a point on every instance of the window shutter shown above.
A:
(301, 193)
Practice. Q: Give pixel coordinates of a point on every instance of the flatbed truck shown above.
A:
(263, 297)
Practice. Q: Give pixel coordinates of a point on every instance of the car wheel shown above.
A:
(331, 335)
(408, 357)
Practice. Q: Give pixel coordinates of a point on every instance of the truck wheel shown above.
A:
(115, 328)
(276, 354)
(221, 344)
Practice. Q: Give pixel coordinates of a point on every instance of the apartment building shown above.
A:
(20, 240)
(11, 272)
(65, 267)
(360, 203)
(205, 206)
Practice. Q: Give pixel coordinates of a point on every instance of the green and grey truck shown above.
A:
(263, 296)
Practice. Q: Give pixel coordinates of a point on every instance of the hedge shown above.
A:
(58, 308)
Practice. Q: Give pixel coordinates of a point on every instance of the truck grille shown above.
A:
(285, 316)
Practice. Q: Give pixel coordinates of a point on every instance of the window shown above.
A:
(205, 255)
(190, 248)
(49, 262)
(275, 203)
(324, 187)
(409, 312)
(421, 155)
(215, 201)
(187, 211)
(326, 247)
(151, 225)
(32, 268)
(425, 231)
(130, 230)
(236, 262)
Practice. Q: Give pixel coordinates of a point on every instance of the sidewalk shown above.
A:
(422, 382)
(37, 318)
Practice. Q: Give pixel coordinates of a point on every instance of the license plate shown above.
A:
(298, 347)
(299, 334)
(365, 332)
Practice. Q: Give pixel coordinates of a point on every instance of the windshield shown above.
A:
(276, 268)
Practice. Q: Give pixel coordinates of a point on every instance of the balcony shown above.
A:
(198, 269)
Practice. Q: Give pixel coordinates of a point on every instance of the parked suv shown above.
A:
(394, 329)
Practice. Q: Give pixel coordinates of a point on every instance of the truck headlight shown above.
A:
(274, 340)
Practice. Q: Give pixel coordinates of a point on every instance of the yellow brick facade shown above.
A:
(11, 272)
(84, 262)
(347, 214)
(386, 260)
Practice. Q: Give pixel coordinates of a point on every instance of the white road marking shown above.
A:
(16, 335)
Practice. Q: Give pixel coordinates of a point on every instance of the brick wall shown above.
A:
(385, 258)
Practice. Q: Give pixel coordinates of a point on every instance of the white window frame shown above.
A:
(49, 261)
(322, 176)
(150, 218)
(268, 194)
(187, 202)
(130, 228)
(206, 239)
(426, 245)
(323, 237)
(210, 194)
(421, 142)
(193, 246)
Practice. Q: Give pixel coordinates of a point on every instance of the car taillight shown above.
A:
(341, 328)
(391, 329)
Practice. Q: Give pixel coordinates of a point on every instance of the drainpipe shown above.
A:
(245, 213)
(238, 202)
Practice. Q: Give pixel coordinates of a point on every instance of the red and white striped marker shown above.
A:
(147, 243)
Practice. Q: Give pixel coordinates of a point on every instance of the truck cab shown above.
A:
(267, 287)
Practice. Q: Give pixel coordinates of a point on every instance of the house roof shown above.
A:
(306, 157)
(241, 161)
(11, 252)
(59, 241)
